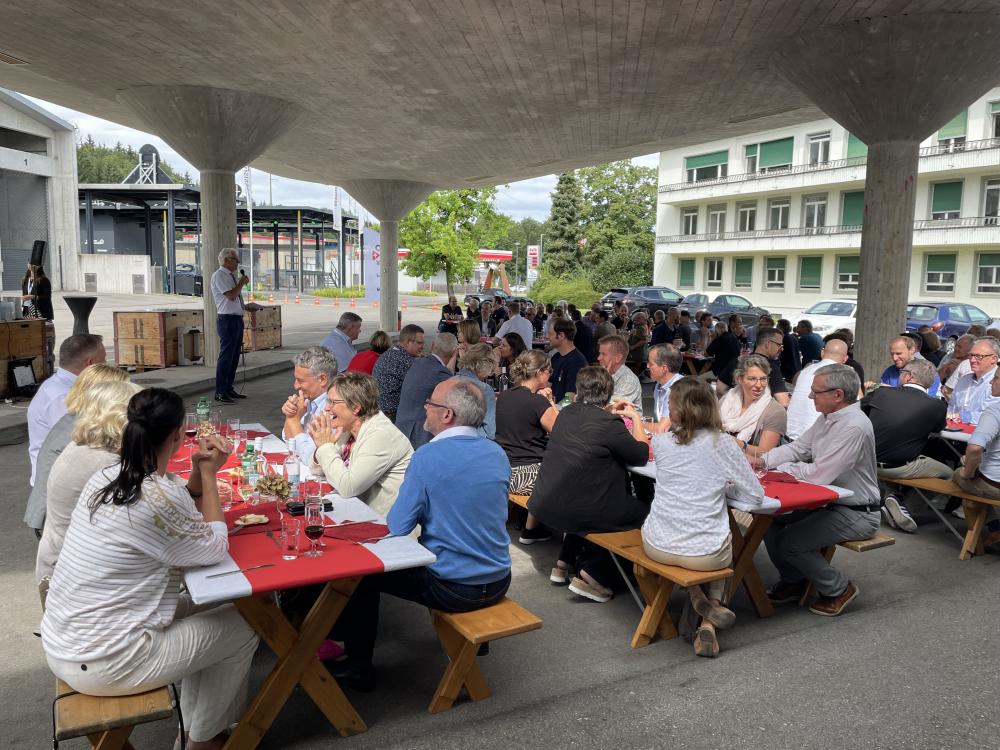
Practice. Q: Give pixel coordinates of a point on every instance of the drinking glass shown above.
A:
(314, 526)
(234, 427)
(215, 417)
(190, 428)
(290, 530)
(240, 441)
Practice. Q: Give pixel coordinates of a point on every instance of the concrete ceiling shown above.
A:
(455, 93)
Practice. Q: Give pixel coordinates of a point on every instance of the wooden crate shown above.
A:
(23, 339)
(255, 339)
(148, 338)
(265, 317)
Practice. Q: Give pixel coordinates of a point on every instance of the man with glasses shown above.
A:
(979, 473)
(838, 449)
(903, 419)
(392, 366)
(903, 349)
(973, 391)
(769, 345)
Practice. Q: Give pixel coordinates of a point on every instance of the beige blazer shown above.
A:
(378, 462)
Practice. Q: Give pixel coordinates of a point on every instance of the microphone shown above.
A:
(242, 272)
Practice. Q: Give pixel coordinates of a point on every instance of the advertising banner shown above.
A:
(533, 260)
(372, 252)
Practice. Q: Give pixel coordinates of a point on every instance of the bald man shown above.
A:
(802, 409)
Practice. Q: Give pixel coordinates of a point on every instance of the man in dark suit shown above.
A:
(903, 419)
(418, 385)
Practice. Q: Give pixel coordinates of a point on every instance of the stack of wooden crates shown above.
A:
(147, 339)
(262, 328)
(26, 339)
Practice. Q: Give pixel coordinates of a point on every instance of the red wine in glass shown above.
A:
(314, 532)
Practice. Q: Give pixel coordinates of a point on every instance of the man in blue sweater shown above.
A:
(463, 520)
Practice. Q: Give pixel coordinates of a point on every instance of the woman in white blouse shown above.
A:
(360, 451)
(115, 621)
(698, 467)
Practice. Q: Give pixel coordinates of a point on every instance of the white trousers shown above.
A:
(209, 651)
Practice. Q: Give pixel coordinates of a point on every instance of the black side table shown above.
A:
(81, 305)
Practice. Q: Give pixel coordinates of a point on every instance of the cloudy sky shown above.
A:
(518, 199)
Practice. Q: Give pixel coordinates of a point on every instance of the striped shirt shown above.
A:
(118, 573)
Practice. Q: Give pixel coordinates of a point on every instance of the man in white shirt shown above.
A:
(517, 324)
(49, 403)
(801, 409)
(612, 351)
(341, 339)
(226, 290)
(972, 392)
(314, 369)
(956, 364)
(665, 363)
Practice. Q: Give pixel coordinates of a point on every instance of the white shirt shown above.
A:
(222, 282)
(627, 386)
(304, 445)
(964, 368)
(661, 397)
(519, 325)
(457, 431)
(45, 409)
(801, 409)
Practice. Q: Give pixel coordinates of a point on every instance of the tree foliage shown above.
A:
(552, 288)
(445, 232)
(618, 211)
(97, 163)
(563, 232)
(632, 267)
(519, 235)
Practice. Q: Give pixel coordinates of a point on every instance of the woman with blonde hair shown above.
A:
(469, 334)
(96, 444)
(749, 412)
(477, 364)
(61, 433)
(698, 468)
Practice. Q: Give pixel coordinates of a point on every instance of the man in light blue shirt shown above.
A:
(227, 294)
(314, 369)
(973, 391)
(340, 341)
(979, 473)
(902, 349)
(665, 363)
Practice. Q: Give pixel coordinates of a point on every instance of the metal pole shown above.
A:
(89, 197)
(171, 242)
(298, 236)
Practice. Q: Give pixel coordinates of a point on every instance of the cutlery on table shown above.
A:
(243, 570)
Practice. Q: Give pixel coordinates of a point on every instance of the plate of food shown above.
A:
(250, 519)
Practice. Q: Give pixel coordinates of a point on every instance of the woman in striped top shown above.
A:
(115, 622)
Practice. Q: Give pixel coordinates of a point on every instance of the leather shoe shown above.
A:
(234, 394)
(831, 606)
(992, 543)
(223, 398)
(352, 675)
(784, 592)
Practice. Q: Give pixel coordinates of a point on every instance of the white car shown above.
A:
(830, 314)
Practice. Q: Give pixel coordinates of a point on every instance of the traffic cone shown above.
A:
(270, 298)
(336, 301)
(404, 304)
(298, 299)
(251, 296)
(315, 300)
(353, 303)
(286, 298)
(375, 304)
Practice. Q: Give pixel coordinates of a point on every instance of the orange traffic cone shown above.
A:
(315, 300)
(353, 303)
(404, 304)
(336, 301)
(286, 298)
(251, 296)
(298, 299)
(375, 304)
(270, 298)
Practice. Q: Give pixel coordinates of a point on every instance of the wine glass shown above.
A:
(190, 428)
(314, 527)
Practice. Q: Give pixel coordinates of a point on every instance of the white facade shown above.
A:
(38, 199)
(776, 216)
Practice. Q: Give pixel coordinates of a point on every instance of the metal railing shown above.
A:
(964, 223)
(942, 149)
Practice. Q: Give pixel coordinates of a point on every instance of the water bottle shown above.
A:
(292, 470)
(503, 383)
(250, 465)
(203, 409)
(564, 403)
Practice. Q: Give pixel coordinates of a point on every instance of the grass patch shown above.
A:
(351, 291)
(422, 293)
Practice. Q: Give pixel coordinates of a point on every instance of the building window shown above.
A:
(713, 273)
(716, 220)
(991, 203)
(775, 276)
(994, 120)
(777, 213)
(689, 221)
(775, 156)
(814, 211)
(685, 273)
(750, 159)
(856, 148)
(707, 166)
(848, 272)
(988, 273)
(940, 273)
(852, 208)
(743, 273)
(810, 273)
(819, 148)
(951, 137)
(747, 213)
(946, 202)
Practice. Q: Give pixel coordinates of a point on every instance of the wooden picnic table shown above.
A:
(697, 365)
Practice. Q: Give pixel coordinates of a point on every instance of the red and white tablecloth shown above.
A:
(340, 559)
(960, 432)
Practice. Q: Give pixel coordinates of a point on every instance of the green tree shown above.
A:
(632, 267)
(563, 231)
(97, 163)
(445, 232)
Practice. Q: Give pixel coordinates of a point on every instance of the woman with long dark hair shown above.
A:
(37, 293)
(115, 621)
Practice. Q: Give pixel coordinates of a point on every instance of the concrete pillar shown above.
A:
(390, 201)
(892, 82)
(219, 131)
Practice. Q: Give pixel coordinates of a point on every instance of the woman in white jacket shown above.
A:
(360, 451)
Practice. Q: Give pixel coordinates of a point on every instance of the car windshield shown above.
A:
(696, 299)
(829, 307)
(921, 312)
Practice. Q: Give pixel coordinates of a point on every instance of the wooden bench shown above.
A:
(875, 541)
(521, 500)
(461, 634)
(656, 581)
(975, 507)
(106, 722)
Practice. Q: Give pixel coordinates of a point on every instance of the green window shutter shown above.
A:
(751, 150)
(994, 107)
(775, 264)
(989, 259)
(776, 153)
(947, 197)
(685, 272)
(956, 126)
(743, 270)
(855, 147)
(706, 160)
(941, 263)
(810, 272)
(853, 209)
(849, 264)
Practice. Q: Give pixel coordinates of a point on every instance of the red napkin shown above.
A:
(313, 486)
(357, 532)
(968, 429)
(778, 476)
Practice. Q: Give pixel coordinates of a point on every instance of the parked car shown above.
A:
(482, 294)
(829, 315)
(948, 320)
(648, 299)
(723, 306)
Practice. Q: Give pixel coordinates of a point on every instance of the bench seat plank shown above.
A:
(78, 714)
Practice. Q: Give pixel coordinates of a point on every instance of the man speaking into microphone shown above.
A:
(226, 291)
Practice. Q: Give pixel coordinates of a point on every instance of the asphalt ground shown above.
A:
(909, 665)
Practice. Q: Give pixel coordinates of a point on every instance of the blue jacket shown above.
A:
(418, 385)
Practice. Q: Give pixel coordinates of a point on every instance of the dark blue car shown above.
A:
(948, 320)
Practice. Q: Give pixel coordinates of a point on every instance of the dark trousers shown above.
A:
(230, 329)
(580, 554)
(359, 623)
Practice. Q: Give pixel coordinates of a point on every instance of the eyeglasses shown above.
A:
(428, 402)
(755, 381)
(814, 392)
(335, 401)
(980, 357)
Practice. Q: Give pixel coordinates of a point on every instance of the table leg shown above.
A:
(744, 571)
(297, 664)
